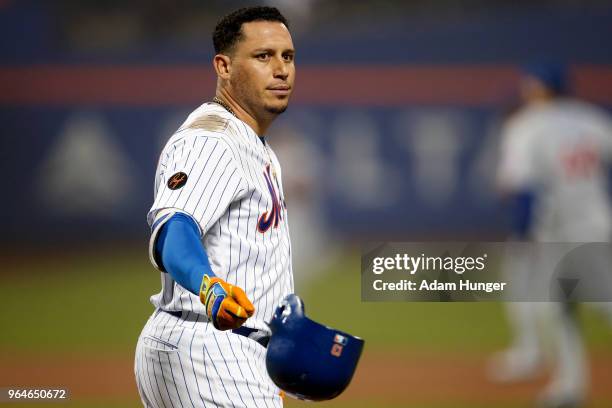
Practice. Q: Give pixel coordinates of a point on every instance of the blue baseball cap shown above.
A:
(553, 75)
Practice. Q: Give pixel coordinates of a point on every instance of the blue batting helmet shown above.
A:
(306, 359)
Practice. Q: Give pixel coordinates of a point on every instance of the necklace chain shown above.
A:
(266, 148)
(224, 105)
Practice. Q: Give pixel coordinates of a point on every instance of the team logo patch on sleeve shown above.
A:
(177, 180)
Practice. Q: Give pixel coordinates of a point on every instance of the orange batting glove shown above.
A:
(227, 306)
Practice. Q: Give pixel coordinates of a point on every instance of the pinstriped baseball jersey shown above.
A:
(216, 169)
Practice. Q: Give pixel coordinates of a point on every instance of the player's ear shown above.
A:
(222, 64)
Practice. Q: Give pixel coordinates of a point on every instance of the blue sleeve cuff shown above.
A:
(179, 251)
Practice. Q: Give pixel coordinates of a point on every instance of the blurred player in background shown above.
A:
(312, 243)
(554, 171)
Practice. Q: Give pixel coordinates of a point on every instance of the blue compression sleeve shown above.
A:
(182, 254)
(522, 213)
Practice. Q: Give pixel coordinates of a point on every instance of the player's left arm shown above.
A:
(606, 162)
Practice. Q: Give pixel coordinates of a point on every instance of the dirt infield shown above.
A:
(439, 378)
(434, 378)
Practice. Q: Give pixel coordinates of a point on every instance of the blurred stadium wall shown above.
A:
(397, 106)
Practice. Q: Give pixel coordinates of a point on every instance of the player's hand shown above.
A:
(227, 306)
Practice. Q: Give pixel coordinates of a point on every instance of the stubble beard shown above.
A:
(256, 102)
(276, 110)
(258, 105)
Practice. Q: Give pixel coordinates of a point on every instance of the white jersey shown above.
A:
(560, 151)
(216, 169)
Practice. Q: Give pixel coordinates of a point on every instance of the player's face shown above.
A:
(263, 67)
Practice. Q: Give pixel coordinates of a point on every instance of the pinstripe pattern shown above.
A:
(200, 367)
(226, 192)
(185, 362)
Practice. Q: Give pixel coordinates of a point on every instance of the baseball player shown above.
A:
(219, 230)
(554, 166)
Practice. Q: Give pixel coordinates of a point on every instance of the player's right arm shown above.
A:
(179, 251)
(517, 175)
(199, 179)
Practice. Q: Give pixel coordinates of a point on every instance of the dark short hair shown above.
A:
(228, 31)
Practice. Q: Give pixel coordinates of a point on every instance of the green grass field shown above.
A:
(98, 303)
